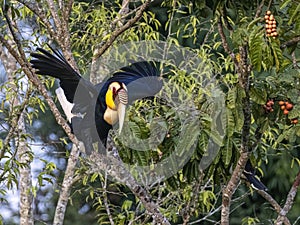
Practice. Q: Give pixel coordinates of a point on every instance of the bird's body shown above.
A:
(254, 181)
(96, 108)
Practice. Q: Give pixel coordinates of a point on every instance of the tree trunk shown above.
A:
(25, 182)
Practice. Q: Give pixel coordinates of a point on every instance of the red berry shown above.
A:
(289, 106)
(285, 112)
(281, 102)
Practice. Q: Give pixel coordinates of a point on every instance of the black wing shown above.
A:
(56, 65)
(249, 173)
(142, 79)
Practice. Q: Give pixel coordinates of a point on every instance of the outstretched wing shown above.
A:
(55, 65)
(142, 79)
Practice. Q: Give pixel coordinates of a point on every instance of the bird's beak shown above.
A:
(121, 115)
(123, 101)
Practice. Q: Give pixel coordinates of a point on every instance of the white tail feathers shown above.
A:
(65, 104)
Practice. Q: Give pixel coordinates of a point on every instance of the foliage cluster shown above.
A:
(199, 82)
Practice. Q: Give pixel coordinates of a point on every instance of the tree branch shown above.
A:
(105, 200)
(225, 43)
(273, 202)
(291, 42)
(289, 201)
(244, 76)
(54, 12)
(22, 150)
(102, 48)
(65, 191)
(122, 29)
(36, 8)
(259, 9)
(99, 162)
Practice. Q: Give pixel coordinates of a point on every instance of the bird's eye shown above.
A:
(114, 91)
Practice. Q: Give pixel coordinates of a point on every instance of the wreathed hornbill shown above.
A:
(96, 108)
(249, 173)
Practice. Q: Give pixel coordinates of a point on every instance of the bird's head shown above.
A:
(116, 99)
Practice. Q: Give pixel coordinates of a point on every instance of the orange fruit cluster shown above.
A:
(287, 107)
(270, 25)
(269, 106)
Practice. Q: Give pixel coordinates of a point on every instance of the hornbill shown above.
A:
(96, 108)
(249, 173)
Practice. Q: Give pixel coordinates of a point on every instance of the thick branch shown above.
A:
(66, 186)
(289, 201)
(25, 183)
(98, 162)
(232, 186)
(54, 12)
(244, 77)
(22, 150)
(275, 205)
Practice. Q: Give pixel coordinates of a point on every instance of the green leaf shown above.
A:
(256, 43)
(295, 113)
(277, 54)
(258, 95)
(227, 152)
(126, 205)
(94, 177)
(231, 98)
(239, 118)
(285, 3)
(230, 125)
(294, 14)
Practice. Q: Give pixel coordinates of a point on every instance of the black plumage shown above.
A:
(142, 79)
(249, 173)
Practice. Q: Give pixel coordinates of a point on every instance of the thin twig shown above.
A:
(36, 8)
(119, 31)
(291, 42)
(123, 13)
(269, 5)
(259, 9)
(105, 200)
(225, 43)
(104, 46)
(194, 200)
(294, 59)
(16, 36)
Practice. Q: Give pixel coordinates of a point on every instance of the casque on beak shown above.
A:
(121, 108)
